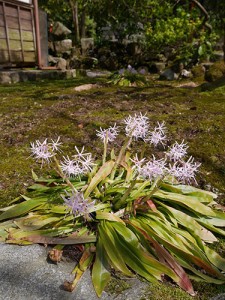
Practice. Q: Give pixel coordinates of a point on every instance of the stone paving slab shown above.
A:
(25, 274)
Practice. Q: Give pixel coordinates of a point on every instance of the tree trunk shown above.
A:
(224, 40)
(82, 24)
(74, 7)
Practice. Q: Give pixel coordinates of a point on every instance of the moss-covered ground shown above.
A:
(36, 110)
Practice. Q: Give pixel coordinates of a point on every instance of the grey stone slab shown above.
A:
(25, 274)
(219, 297)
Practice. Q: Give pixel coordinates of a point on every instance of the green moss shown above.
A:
(161, 291)
(117, 286)
(198, 72)
(216, 71)
(165, 291)
(30, 111)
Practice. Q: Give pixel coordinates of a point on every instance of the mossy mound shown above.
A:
(216, 71)
(217, 84)
(198, 72)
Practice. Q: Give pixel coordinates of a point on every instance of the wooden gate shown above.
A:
(17, 33)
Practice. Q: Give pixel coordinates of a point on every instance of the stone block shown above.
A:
(60, 30)
(5, 78)
(63, 46)
(86, 44)
(61, 64)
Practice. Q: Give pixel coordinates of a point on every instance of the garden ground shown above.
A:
(31, 111)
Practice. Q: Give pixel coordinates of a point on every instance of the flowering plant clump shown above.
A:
(129, 77)
(134, 213)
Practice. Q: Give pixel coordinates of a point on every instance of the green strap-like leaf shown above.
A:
(190, 223)
(164, 256)
(138, 260)
(108, 216)
(202, 196)
(100, 272)
(112, 250)
(186, 201)
(102, 173)
(181, 252)
(21, 209)
(35, 222)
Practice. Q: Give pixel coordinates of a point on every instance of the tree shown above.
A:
(175, 23)
(71, 12)
(217, 11)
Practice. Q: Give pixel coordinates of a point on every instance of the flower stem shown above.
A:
(105, 148)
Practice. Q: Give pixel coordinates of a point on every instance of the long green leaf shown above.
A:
(102, 173)
(35, 222)
(190, 223)
(21, 209)
(108, 216)
(112, 250)
(202, 196)
(186, 201)
(139, 260)
(181, 252)
(131, 241)
(164, 256)
(100, 271)
(215, 258)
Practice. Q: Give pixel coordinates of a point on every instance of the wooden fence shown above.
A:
(17, 33)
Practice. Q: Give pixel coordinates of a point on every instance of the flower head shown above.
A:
(138, 163)
(108, 134)
(185, 171)
(55, 145)
(81, 163)
(152, 169)
(76, 202)
(121, 71)
(158, 135)
(43, 151)
(70, 168)
(84, 160)
(177, 151)
(137, 126)
(131, 70)
(142, 72)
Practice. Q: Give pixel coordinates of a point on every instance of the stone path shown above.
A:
(25, 274)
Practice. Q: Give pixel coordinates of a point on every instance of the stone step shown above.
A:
(17, 75)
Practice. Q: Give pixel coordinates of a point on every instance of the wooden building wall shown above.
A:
(17, 33)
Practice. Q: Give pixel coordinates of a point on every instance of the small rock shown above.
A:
(185, 73)
(216, 71)
(60, 30)
(218, 55)
(85, 87)
(94, 74)
(63, 46)
(168, 74)
(86, 44)
(219, 297)
(187, 85)
(61, 64)
(75, 63)
(157, 67)
(52, 60)
(198, 72)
